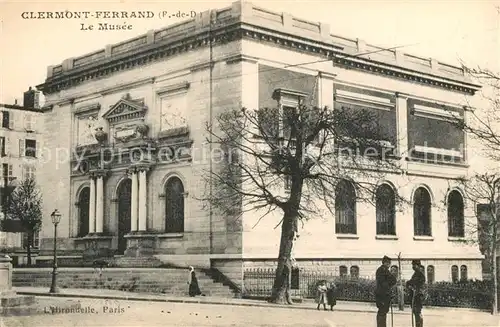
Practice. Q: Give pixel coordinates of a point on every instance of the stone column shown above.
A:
(142, 199)
(134, 200)
(99, 204)
(402, 124)
(92, 205)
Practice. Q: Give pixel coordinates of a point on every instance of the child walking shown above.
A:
(322, 289)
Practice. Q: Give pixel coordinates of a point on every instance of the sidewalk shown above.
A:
(307, 304)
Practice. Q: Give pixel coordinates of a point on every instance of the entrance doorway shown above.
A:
(124, 213)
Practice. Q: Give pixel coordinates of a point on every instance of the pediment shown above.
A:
(126, 109)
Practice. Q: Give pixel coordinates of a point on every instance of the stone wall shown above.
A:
(368, 267)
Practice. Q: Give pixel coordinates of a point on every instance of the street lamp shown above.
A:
(56, 218)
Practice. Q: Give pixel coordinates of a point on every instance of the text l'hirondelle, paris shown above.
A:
(86, 14)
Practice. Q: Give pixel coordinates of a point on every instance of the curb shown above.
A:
(407, 311)
(213, 302)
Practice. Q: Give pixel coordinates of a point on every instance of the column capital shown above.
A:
(98, 173)
(143, 167)
(131, 170)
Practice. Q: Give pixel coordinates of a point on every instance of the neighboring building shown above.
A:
(484, 217)
(20, 148)
(158, 91)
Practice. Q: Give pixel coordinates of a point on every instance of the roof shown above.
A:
(243, 20)
(22, 108)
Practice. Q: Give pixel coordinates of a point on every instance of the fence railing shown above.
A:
(258, 282)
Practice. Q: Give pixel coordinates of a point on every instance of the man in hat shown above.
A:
(417, 291)
(385, 281)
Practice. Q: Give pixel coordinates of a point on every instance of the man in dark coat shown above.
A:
(416, 285)
(385, 281)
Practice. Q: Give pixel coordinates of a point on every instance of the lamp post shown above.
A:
(56, 217)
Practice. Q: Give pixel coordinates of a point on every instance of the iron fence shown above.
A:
(258, 282)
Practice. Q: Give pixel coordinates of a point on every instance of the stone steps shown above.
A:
(161, 280)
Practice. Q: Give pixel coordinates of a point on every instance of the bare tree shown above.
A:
(483, 191)
(483, 125)
(26, 206)
(310, 151)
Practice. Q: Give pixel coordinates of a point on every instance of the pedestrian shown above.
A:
(331, 297)
(416, 285)
(194, 288)
(322, 294)
(385, 280)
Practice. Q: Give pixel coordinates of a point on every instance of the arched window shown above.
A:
(343, 271)
(454, 274)
(174, 209)
(430, 274)
(354, 272)
(455, 214)
(463, 273)
(83, 212)
(345, 208)
(422, 212)
(385, 199)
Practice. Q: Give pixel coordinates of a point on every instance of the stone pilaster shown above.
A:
(402, 124)
(134, 201)
(142, 171)
(99, 200)
(92, 205)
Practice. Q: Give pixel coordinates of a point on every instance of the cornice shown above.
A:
(127, 86)
(404, 74)
(238, 31)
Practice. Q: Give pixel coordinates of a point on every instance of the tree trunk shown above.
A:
(28, 247)
(281, 288)
(494, 310)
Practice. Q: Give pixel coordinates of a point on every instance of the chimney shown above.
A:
(15, 102)
(32, 99)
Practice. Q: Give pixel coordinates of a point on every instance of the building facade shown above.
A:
(121, 113)
(20, 147)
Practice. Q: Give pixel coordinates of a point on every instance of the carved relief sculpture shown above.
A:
(100, 135)
(142, 129)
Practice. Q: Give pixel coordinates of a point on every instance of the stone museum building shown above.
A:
(115, 116)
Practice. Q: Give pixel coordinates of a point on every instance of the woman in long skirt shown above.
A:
(194, 288)
(331, 297)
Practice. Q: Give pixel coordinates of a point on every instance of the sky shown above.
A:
(446, 30)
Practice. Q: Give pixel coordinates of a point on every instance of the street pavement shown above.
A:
(125, 313)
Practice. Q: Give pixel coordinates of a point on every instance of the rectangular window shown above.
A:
(36, 240)
(5, 119)
(6, 170)
(28, 122)
(30, 148)
(3, 153)
(434, 132)
(368, 120)
(29, 172)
